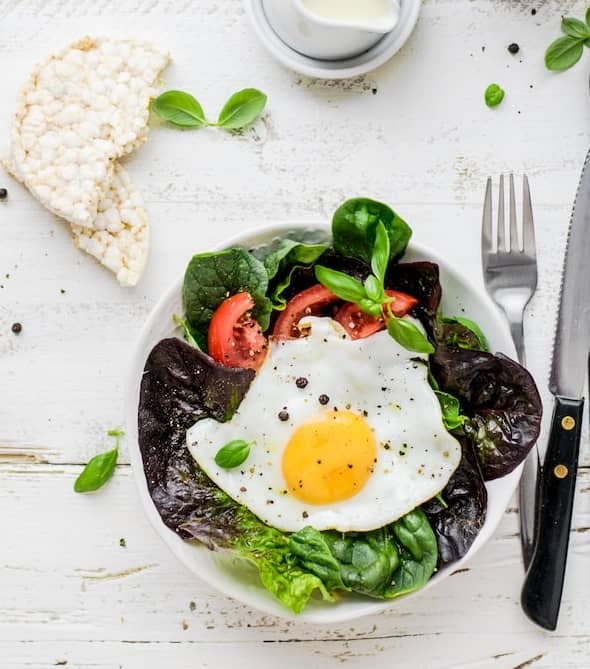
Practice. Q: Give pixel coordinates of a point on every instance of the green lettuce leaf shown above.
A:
(270, 551)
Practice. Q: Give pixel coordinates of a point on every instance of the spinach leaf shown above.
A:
(211, 277)
(383, 563)
(451, 410)
(457, 521)
(100, 468)
(367, 560)
(281, 259)
(418, 554)
(314, 554)
(354, 228)
(462, 332)
(242, 109)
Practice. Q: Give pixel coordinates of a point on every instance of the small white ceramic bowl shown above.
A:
(319, 68)
(234, 577)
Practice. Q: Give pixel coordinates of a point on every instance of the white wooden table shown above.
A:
(414, 133)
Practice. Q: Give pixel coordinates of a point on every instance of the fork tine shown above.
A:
(514, 243)
(486, 225)
(501, 246)
(528, 228)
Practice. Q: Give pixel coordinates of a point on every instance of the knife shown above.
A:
(543, 584)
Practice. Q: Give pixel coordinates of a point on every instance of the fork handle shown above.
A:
(517, 332)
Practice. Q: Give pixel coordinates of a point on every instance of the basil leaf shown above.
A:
(242, 109)
(233, 454)
(563, 53)
(588, 16)
(380, 257)
(100, 468)
(375, 309)
(451, 410)
(354, 229)
(341, 284)
(493, 95)
(575, 27)
(211, 277)
(180, 109)
(408, 335)
(374, 289)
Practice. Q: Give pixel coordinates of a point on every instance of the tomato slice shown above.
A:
(235, 339)
(309, 302)
(359, 325)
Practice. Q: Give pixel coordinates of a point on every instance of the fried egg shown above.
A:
(344, 434)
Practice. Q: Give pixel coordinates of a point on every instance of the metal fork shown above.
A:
(510, 276)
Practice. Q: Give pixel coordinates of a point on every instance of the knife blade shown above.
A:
(543, 584)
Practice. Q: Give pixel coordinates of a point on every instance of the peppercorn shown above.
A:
(513, 48)
(323, 399)
(283, 415)
(301, 382)
(17, 328)
(3, 193)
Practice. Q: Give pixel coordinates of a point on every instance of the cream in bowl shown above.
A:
(331, 29)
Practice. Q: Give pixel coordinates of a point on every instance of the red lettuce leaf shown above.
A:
(501, 401)
(181, 385)
(457, 524)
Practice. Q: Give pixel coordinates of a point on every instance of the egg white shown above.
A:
(374, 377)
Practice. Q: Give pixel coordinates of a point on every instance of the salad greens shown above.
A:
(384, 563)
(488, 402)
(183, 110)
(100, 468)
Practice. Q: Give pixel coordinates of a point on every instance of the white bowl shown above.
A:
(345, 68)
(234, 577)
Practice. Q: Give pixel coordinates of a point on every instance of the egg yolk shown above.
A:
(330, 458)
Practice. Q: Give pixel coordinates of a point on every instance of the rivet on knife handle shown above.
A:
(541, 593)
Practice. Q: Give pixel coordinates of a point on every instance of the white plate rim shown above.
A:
(259, 599)
(347, 68)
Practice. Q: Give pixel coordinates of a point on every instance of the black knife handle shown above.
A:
(541, 592)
